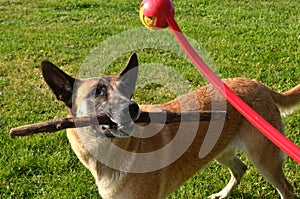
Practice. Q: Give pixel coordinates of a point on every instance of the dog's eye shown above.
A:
(99, 91)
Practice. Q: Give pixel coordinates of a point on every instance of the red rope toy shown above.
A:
(156, 14)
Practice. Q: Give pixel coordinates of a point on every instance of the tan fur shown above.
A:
(237, 133)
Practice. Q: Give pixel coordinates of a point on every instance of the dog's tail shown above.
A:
(288, 101)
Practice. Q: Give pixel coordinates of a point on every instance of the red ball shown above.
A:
(153, 13)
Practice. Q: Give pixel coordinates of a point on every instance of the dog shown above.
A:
(113, 153)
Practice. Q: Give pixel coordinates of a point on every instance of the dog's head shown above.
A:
(89, 97)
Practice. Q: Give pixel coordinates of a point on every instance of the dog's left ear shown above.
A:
(128, 77)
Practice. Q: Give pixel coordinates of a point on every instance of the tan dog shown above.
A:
(116, 161)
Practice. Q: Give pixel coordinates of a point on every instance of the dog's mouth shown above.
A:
(116, 130)
(122, 123)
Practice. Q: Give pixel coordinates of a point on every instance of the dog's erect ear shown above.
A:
(128, 76)
(60, 83)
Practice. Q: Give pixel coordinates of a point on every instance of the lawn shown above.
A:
(254, 39)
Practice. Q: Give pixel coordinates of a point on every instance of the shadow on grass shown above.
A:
(239, 195)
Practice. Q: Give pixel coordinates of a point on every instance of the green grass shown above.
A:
(253, 39)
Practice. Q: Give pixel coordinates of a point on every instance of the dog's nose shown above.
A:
(134, 110)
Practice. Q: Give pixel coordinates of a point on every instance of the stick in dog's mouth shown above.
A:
(58, 124)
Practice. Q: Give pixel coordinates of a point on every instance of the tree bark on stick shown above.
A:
(58, 124)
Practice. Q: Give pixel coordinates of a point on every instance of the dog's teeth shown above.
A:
(104, 127)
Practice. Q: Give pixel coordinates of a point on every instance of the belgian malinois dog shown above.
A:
(101, 148)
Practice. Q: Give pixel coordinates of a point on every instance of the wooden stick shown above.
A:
(58, 124)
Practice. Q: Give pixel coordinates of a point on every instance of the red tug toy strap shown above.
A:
(259, 122)
(161, 12)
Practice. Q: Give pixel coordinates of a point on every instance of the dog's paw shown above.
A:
(219, 195)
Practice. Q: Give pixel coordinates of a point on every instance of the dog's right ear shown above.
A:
(59, 82)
